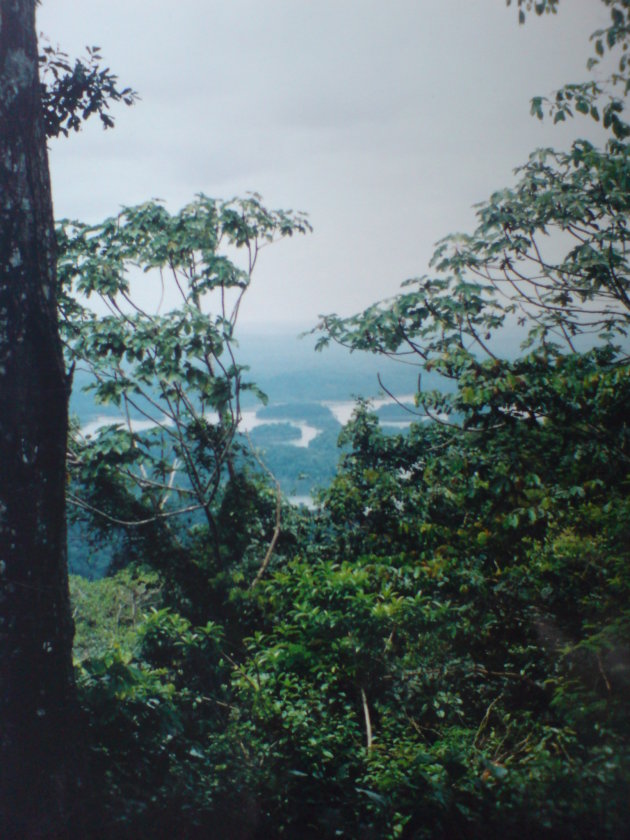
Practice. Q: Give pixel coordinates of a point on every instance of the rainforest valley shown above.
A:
(440, 645)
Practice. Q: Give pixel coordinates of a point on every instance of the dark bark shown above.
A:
(41, 762)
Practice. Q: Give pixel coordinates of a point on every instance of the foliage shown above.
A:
(471, 593)
(170, 478)
(152, 696)
(175, 375)
(108, 612)
(449, 646)
(548, 254)
(502, 523)
(541, 7)
(444, 649)
(601, 98)
(72, 93)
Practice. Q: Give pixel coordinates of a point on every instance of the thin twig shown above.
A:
(276, 530)
(486, 718)
(368, 722)
(75, 500)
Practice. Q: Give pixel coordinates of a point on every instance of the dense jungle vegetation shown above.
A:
(442, 649)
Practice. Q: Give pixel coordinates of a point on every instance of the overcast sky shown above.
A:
(385, 120)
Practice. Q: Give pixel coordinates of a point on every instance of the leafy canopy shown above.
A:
(443, 649)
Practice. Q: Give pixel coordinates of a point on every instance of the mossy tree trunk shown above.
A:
(41, 761)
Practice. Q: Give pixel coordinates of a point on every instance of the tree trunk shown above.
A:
(41, 776)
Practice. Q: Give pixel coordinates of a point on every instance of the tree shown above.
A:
(172, 462)
(549, 255)
(479, 632)
(41, 762)
(168, 482)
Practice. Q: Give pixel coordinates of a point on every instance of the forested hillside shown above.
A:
(440, 647)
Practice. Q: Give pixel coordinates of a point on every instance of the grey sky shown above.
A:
(385, 120)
